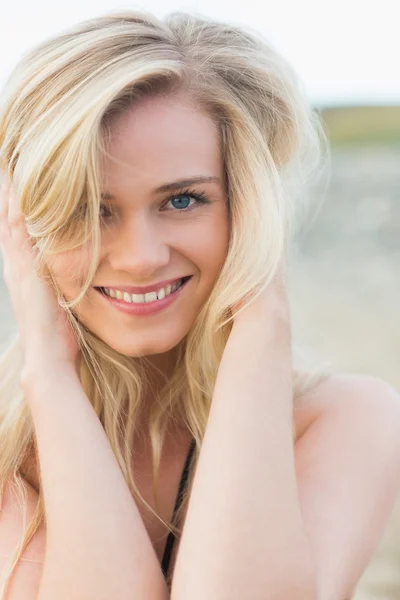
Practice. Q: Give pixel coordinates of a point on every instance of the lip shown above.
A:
(148, 308)
(144, 290)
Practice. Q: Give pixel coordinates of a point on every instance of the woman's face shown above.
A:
(154, 229)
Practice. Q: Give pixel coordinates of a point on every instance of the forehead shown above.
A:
(161, 139)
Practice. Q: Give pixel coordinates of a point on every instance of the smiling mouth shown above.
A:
(142, 299)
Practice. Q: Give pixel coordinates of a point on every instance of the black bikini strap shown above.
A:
(182, 486)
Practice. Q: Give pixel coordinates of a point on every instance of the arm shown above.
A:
(244, 535)
(347, 464)
(97, 545)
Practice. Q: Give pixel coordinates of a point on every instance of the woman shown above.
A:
(144, 225)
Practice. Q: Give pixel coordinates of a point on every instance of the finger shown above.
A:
(5, 180)
(10, 267)
(16, 220)
(17, 258)
(22, 244)
(4, 205)
(5, 233)
(8, 243)
(4, 229)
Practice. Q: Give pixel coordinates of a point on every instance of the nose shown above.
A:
(138, 248)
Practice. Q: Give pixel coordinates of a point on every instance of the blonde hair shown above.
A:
(56, 112)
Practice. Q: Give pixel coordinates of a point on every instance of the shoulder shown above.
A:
(347, 459)
(358, 399)
(353, 417)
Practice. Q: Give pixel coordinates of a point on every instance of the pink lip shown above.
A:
(143, 290)
(147, 308)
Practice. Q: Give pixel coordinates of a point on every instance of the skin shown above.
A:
(145, 240)
(318, 507)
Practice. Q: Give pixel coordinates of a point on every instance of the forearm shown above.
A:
(244, 535)
(97, 545)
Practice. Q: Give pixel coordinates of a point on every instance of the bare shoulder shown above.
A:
(347, 459)
(360, 398)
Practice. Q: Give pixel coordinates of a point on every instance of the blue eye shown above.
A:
(181, 203)
(183, 200)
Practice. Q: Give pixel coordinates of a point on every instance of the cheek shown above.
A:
(69, 269)
(209, 249)
(205, 244)
(217, 243)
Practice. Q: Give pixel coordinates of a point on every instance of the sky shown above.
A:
(345, 51)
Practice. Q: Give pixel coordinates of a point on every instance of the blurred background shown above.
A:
(345, 277)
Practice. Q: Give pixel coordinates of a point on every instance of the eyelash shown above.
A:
(200, 197)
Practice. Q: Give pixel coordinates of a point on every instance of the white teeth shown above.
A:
(150, 297)
(138, 298)
(143, 298)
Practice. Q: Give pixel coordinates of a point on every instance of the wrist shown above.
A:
(40, 376)
(266, 316)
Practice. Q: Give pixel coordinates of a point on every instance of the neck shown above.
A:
(159, 369)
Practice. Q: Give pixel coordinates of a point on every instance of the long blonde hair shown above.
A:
(55, 117)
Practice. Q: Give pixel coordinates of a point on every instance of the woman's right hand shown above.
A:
(46, 335)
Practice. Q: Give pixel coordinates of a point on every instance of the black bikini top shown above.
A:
(182, 486)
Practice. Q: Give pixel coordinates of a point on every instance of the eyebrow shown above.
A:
(174, 185)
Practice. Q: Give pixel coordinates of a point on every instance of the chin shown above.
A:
(135, 349)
